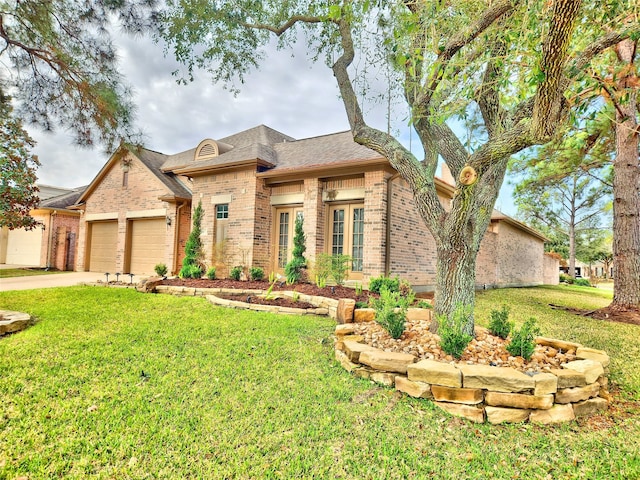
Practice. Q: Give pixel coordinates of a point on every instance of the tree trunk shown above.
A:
(626, 210)
(455, 281)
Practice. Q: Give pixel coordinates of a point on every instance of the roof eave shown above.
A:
(198, 171)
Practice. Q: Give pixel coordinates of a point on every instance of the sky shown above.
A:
(289, 94)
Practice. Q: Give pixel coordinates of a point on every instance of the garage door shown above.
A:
(24, 247)
(148, 240)
(104, 244)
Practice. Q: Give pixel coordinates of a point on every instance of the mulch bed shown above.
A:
(630, 316)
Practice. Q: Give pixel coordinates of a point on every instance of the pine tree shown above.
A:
(192, 265)
(293, 269)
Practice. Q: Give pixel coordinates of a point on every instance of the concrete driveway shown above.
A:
(47, 281)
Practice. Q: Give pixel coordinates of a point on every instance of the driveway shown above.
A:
(47, 281)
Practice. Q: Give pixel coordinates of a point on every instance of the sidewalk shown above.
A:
(47, 281)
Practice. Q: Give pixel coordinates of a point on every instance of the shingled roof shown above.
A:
(64, 200)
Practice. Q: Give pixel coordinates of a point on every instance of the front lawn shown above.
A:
(111, 383)
(25, 272)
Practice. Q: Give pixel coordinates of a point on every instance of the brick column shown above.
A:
(375, 223)
(313, 218)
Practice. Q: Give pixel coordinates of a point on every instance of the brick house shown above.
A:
(52, 244)
(253, 185)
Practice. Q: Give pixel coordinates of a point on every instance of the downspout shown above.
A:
(50, 242)
(176, 233)
(387, 246)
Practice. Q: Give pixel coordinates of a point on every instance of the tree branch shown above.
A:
(284, 27)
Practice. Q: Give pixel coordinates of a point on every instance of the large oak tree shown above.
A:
(513, 62)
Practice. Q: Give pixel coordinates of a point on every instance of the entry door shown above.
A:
(346, 227)
(284, 233)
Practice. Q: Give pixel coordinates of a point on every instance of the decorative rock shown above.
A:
(363, 372)
(361, 315)
(601, 356)
(344, 312)
(419, 314)
(577, 394)
(435, 373)
(591, 369)
(469, 396)
(545, 383)
(387, 361)
(556, 414)
(496, 415)
(353, 338)
(516, 400)
(347, 364)
(471, 413)
(413, 389)
(354, 349)
(499, 379)
(11, 322)
(149, 285)
(383, 378)
(569, 378)
(342, 330)
(558, 344)
(589, 407)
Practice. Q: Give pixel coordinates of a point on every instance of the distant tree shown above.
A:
(18, 191)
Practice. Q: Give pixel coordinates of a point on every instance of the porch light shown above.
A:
(168, 219)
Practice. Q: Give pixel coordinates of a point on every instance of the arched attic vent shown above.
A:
(207, 149)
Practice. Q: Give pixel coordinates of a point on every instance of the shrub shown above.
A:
(161, 269)
(500, 326)
(453, 338)
(376, 284)
(236, 273)
(391, 310)
(323, 269)
(294, 268)
(582, 282)
(340, 267)
(566, 278)
(523, 340)
(211, 273)
(193, 248)
(424, 304)
(190, 271)
(256, 273)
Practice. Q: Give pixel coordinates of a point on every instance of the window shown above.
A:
(346, 232)
(125, 179)
(222, 211)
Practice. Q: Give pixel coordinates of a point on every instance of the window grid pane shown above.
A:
(283, 239)
(337, 243)
(222, 211)
(358, 240)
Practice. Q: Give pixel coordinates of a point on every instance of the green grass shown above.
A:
(111, 383)
(25, 272)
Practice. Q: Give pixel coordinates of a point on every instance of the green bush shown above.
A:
(582, 282)
(453, 338)
(340, 267)
(161, 269)
(322, 269)
(193, 248)
(236, 273)
(376, 284)
(211, 273)
(500, 326)
(424, 304)
(256, 273)
(190, 271)
(391, 311)
(566, 278)
(523, 340)
(293, 270)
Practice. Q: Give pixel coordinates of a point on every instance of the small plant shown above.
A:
(376, 284)
(340, 267)
(358, 289)
(295, 296)
(211, 273)
(321, 282)
(235, 273)
(391, 311)
(362, 304)
(564, 278)
(500, 326)
(582, 282)
(453, 338)
(161, 269)
(424, 304)
(523, 340)
(190, 271)
(269, 294)
(323, 269)
(256, 274)
(272, 277)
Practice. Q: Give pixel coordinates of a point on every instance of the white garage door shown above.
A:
(104, 243)
(24, 247)
(148, 240)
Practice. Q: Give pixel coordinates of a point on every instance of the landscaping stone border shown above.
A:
(482, 393)
(12, 322)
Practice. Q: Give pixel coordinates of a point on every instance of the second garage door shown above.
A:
(148, 240)
(104, 242)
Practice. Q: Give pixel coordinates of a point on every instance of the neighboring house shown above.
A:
(253, 185)
(52, 244)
